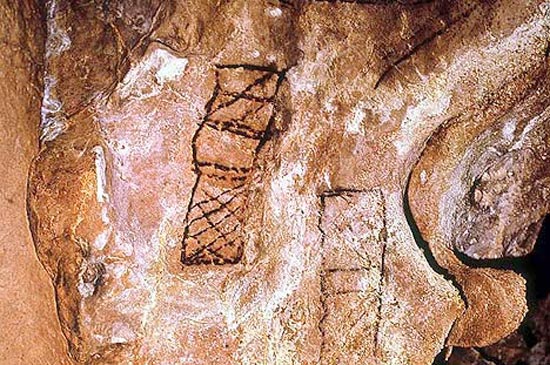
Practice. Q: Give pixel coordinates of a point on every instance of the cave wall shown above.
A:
(330, 135)
(29, 327)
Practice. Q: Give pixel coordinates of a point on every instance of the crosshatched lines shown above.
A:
(236, 124)
(352, 224)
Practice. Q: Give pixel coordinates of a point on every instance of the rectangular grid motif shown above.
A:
(236, 124)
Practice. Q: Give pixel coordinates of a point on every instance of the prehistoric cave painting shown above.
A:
(353, 249)
(236, 125)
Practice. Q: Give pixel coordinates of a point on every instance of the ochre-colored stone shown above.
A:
(29, 327)
(284, 182)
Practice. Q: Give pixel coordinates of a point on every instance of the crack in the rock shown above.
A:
(421, 243)
(488, 357)
(506, 264)
(417, 235)
(417, 47)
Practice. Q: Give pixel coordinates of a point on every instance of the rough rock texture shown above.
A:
(500, 181)
(481, 186)
(528, 346)
(238, 182)
(352, 266)
(29, 328)
(108, 34)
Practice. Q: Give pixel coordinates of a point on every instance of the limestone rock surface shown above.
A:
(29, 328)
(289, 182)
